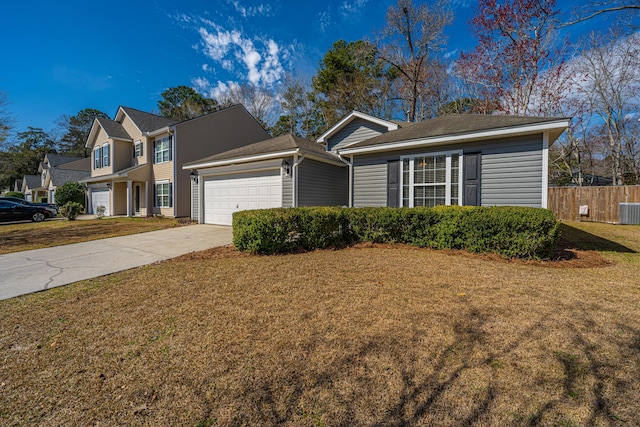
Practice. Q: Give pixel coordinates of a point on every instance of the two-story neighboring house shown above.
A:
(136, 158)
(56, 170)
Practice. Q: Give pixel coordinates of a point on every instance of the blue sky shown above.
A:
(62, 57)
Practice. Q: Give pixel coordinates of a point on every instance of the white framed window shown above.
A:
(163, 194)
(431, 179)
(162, 150)
(105, 155)
(97, 158)
(137, 149)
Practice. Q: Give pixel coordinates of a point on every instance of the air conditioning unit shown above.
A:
(629, 213)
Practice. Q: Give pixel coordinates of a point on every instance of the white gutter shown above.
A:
(521, 130)
(350, 164)
(240, 160)
(294, 172)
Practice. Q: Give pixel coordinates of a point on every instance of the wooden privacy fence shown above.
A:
(602, 202)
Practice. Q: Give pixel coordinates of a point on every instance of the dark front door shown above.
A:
(136, 199)
(472, 172)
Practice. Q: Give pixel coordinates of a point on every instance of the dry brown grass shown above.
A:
(27, 236)
(361, 336)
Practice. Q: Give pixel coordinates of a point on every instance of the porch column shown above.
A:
(129, 197)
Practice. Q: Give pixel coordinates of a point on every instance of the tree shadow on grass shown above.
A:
(573, 239)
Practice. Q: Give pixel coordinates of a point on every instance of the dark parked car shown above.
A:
(13, 211)
(24, 202)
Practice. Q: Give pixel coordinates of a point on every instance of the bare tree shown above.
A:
(6, 118)
(607, 76)
(412, 43)
(259, 102)
(516, 67)
(594, 9)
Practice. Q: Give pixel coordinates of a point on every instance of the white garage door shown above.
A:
(100, 197)
(227, 194)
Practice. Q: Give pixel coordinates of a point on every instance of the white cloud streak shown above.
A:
(259, 60)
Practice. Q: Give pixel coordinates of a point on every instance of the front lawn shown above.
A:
(372, 335)
(27, 236)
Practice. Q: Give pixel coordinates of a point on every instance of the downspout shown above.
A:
(294, 175)
(350, 164)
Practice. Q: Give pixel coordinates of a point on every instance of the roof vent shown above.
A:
(629, 213)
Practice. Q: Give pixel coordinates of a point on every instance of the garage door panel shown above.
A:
(101, 198)
(232, 193)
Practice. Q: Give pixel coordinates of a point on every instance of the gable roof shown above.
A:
(60, 176)
(82, 164)
(59, 159)
(280, 146)
(113, 129)
(145, 122)
(460, 127)
(32, 181)
(343, 122)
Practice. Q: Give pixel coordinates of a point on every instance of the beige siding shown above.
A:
(121, 155)
(205, 136)
(101, 139)
(119, 196)
(131, 128)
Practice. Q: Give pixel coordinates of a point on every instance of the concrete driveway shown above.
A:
(32, 271)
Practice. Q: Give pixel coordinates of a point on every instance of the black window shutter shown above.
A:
(171, 194)
(472, 179)
(155, 195)
(393, 183)
(154, 151)
(170, 148)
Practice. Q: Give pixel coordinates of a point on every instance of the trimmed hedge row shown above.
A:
(515, 232)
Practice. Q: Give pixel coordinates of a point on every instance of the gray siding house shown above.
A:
(366, 161)
(286, 171)
(451, 160)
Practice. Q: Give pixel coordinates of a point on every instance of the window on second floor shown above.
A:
(97, 158)
(105, 155)
(162, 150)
(137, 149)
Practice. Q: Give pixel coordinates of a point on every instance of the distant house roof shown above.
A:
(61, 176)
(82, 164)
(147, 122)
(59, 159)
(113, 129)
(279, 146)
(17, 185)
(460, 125)
(32, 181)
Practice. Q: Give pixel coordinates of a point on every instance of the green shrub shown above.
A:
(71, 210)
(17, 194)
(70, 192)
(510, 231)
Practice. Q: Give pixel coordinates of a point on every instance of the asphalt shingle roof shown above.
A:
(453, 124)
(33, 181)
(83, 164)
(113, 129)
(62, 176)
(147, 122)
(59, 159)
(273, 145)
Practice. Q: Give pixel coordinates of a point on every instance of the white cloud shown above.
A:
(324, 20)
(249, 11)
(258, 59)
(215, 91)
(353, 7)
